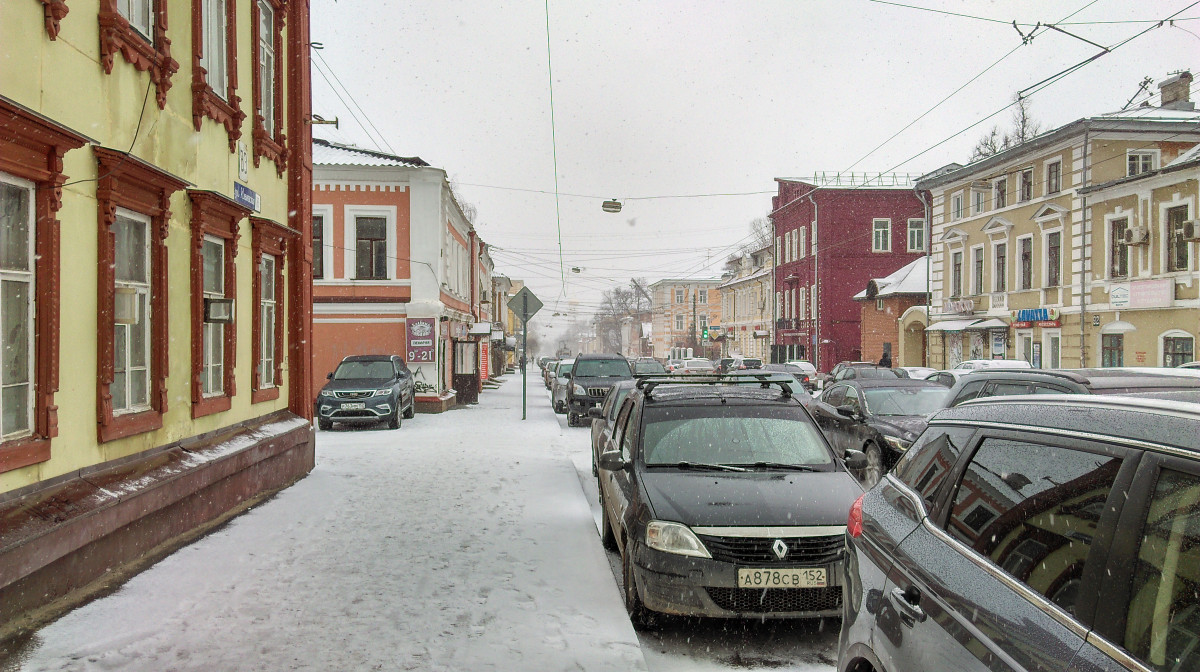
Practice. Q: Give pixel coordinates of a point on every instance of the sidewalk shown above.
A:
(460, 542)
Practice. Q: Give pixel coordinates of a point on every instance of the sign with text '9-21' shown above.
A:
(422, 345)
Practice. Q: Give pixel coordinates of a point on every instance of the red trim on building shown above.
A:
(226, 111)
(299, 108)
(55, 11)
(116, 35)
(268, 238)
(269, 142)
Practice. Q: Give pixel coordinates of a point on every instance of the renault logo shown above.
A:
(780, 548)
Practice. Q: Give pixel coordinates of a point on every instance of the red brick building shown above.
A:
(892, 311)
(831, 237)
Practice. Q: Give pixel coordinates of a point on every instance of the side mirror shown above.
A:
(595, 412)
(611, 460)
(329, 376)
(848, 411)
(855, 459)
(567, 375)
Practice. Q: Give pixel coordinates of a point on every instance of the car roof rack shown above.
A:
(765, 380)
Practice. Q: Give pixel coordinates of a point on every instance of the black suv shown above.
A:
(1057, 532)
(724, 500)
(367, 388)
(1002, 382)
(589, 381)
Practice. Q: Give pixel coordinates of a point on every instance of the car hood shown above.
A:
(906, 427)
(599, 381)
(753, 498)
(358, 384)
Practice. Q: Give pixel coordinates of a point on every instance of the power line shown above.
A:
(352, 99)
(554, 150)
(349, 109)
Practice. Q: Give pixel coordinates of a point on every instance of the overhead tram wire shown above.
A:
(554, 151)
(349, 109)
(382, 137)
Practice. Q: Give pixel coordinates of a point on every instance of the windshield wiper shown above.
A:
(700, 465)
(781, 465)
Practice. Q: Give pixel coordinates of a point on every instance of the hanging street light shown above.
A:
(611, 205)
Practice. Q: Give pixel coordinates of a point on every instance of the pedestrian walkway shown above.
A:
(461, 541)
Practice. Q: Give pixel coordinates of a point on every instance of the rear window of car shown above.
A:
(732, 434)
(648, 367)
(602, 368)
(876, 373)
(356, 370)
(905, 400)
(752, 363)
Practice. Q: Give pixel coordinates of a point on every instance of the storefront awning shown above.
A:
(1118, 327)
(989, 324)
(951, 325)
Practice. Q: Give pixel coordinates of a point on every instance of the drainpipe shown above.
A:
(816, 292)
(471, 253)
(1083, 285)
(928, 268)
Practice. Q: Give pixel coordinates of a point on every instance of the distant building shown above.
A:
(832, 235)
(746, 307)
(893, 315)
(683, 308)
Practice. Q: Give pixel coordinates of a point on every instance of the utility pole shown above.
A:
(695, 340)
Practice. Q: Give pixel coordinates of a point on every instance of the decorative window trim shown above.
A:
(130, 183)
(269, 142)
(55, 11)
(116, 35)
(978, 284)
(1033, 279)
(1048, 165)
(887, 235)
(205, 101)
(214, 215)
(32, 149)
(272, 238)
(325, 212)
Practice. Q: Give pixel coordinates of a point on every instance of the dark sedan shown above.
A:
(605, 415)
(879, 417)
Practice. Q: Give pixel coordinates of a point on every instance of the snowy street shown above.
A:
(462, 541)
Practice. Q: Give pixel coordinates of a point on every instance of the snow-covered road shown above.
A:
(463, 541)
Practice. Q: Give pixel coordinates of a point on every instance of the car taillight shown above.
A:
(854, 523)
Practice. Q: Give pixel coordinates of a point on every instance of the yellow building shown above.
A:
(1018, 266)
(746, 308)
(154, 283)
(683, 309)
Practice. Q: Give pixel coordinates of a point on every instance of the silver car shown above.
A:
(558, 386)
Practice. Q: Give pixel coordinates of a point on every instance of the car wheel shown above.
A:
(572, 420)
(394, 421)
(411, 411)
(873, 472)
(607, 539)
(560, 408)
(641, 617)
(324, 425)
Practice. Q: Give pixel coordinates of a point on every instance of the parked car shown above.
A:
(1019, 533)
(1189, 365)
(723, 500)
(737, 363)
(1003, 382)
(558, 385)
(695, 366)
(948, 377)
(994, 364)
(803, 364)
(367, 389)
(648, 367)
(604, 417)
(842, 371)
(917, 372)
(590, 379)
(881, 418)
(548, 372)
(672, 364)
(796, 372)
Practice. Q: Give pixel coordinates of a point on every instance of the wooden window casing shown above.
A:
(269, 238)
(225, 108)
(55, 10)
(269, 140)
(152, 56)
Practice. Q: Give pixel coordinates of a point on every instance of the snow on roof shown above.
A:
(1190, 155)
(1151, 113)
(335, 154)
(746, 278)
(910, 279)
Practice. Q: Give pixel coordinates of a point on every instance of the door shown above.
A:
(616, 485)
(466, 371)
(828, 419)
(996, 579)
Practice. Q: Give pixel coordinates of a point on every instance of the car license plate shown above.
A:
(807, 577)
(353, 405)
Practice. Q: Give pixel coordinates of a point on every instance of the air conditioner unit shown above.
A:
(1137, 235)
(1191, 231)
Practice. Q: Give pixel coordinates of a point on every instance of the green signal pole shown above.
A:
(524, 348)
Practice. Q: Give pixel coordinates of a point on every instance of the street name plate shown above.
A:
(524, 304)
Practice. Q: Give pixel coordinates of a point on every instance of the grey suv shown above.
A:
(1002, 382)
(367, 388)
(1057, 532)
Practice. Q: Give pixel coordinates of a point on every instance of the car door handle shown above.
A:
(908, 604)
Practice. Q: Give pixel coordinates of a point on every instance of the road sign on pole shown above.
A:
(525, 305)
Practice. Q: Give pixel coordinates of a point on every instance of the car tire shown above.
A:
(394, 420)
(411, 411)
(873, 472)
(324, 425)
(560, 408)
(572, 420)
(639, 616)
(607, 538)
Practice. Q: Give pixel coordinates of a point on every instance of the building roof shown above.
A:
(1188, 159)
(910, 279)
(334, 154)
(746, 278)
(686, 281)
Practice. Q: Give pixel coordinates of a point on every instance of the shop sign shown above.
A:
(485, 353)
(1021, 325)
(959, 306)
(998, 340)
(1035, 315)
(1048, 324)
(1118, 295)
(422, 346)
(1151, 293)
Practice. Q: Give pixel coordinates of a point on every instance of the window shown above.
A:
(1118, 252)
(702, 296)
(1000, 192)
(370, 248)
(1112, 350)
(916, 235)
(1177, 245)
(789, 306)
(1178, 350)
(956, 207)
(1162, 625)
(1054, 177)
(881, 240)
(130, 388)
(679, 322)
(1020, 503)
(215, 224)
(136, 29)
(1025, 245)
(268, 82)
(801, 248)
(703, 322)
(1139, 162)
(1054, 259)
(318, 236)
(979, 201)
(1000, 283)
(801, 302)
(1053, 348)
(977, 270)
(270, 245)
(140, 15)
(778, 242)
(17, 307)
(795, 245)
(680, 295)
(1026, 185)
(214, 83)
(267, 307)
(956, 274)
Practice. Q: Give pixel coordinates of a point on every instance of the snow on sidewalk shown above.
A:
(460, 542)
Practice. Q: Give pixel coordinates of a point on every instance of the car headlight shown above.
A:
(326, 393)
(674, 538)
(578, 389)
(899, 444)
(383, 393)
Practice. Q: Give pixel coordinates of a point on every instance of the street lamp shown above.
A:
(611, 205)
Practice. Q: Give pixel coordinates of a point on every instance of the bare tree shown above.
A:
(1024, 128)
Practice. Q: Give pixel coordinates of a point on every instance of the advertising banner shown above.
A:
(422, 345)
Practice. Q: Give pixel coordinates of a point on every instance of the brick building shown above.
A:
(891, 313)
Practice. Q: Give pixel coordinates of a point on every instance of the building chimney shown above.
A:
(1176, 92)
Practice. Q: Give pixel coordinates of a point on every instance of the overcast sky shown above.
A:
(665, 98)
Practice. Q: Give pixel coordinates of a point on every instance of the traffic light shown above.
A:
(704, 333)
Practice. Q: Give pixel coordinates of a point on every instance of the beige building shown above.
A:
(683, 308)
(746, 307)
(1021, 242)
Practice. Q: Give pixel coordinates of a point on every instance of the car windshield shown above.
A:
(876, 373)
(731, 434)
(356, 370)
(905, 400)
(564, 368)
(649, 367)
(602, 368)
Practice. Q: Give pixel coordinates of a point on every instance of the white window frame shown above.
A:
(978, 284)
(812, 302)
(1141, 154)
(1019, 345)
(1164, 231)
(143, 291)
(680, 325)
(214, 52)
(1111, 244)
(267, 305)
(140, 15)
(801, 302)
(680, 295)
(1033, 264)
(996, 275)
(212, 370)
(1173, 333)
(702, 296)
(956, 284)
(956, 207)
(1000, 188)
(1048, 166)
(802, 252)
(29, 277)
(350, 215)
(267, 95)
(979, 200)
(883, 244)
(325, 212)
(795, 244)
(1022, 176)
(918, 229)
(1046, 258)
(1048, 352)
